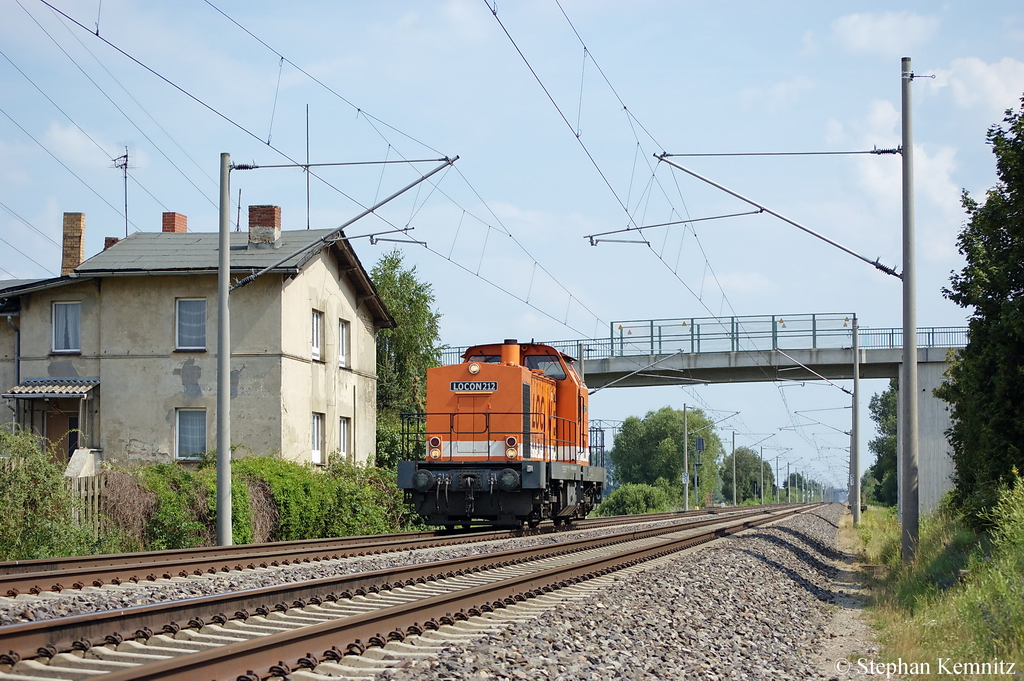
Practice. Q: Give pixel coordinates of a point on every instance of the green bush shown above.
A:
(389, 440)
(183, 517)
(632, 498)
(174, 505)
(36, 503)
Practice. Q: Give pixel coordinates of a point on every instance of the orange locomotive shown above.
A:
(504, 440)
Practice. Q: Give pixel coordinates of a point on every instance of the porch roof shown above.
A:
(54, 388)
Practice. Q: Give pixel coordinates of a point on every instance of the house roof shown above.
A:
(169, 253)
(36, 388)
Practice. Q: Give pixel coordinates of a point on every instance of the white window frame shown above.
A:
(177, 324)
(178, 429)
(343, 342)
(317, 335)
(317, 439)
(74, 345)
(344, 436)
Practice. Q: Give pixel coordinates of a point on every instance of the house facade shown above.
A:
(118, 355)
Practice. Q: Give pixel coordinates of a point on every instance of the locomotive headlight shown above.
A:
(474, 368)
(511, 453)
(511, 441)
(434, 442)
(435, 454)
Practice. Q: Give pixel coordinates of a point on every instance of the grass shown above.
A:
(962, 597)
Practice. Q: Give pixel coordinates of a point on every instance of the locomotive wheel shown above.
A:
(532, 524)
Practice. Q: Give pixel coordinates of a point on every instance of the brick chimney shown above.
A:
(175, 223)
(74, 243)
(264, 226)
(109, 241)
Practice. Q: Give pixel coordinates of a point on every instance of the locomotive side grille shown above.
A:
(526, 420)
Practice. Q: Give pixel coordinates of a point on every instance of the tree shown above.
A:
(748, 477)
(651, 448)
(884, 408)
(984, 385)
(405, 352)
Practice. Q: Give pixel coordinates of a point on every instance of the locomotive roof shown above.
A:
(479, 349)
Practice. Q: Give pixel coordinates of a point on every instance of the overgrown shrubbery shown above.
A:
(272, 500)
(632, 498)
(170, 505)
(36, 505)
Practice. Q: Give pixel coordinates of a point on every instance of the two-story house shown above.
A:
(119, 353)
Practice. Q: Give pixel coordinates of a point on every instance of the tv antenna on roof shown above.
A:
(122, 164)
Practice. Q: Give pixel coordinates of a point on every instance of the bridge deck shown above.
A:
(744, 349)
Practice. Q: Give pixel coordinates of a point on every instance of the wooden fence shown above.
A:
(89, 490)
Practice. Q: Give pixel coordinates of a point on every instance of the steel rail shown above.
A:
(36, 576)
(269, 652)
(47, 637)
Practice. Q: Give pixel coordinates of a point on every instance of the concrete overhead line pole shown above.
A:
(855, 429)
(762, 476)
(224, 358)
(908, 378)
(775, 475)
(686, 464)
(734, 468)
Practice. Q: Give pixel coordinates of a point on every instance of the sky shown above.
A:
(556, 110)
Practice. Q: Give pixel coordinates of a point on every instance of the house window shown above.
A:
(342, 343)
(191, 324)
(318, 438)
(191, 433)
(67, 327)
(318, 333)
(343, 435)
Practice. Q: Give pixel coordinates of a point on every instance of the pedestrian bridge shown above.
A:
(693, 350)
(759, 348)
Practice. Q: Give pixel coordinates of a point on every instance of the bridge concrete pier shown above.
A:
(935, 456)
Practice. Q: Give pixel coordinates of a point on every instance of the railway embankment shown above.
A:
(956, 609)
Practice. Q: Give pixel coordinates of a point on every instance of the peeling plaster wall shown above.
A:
(143, 390)
(7, 415)
(322, 386)
(37, 360)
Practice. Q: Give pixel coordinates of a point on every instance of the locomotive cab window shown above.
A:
(549, 364)
(486, 359)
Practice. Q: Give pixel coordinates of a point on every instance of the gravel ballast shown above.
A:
(48, 605)
(753, 606)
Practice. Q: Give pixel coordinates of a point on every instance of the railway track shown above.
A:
(338, 616)
(58, 574)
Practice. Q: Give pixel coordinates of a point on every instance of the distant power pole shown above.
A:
(762, 476)
(686, 464)
(734, 468)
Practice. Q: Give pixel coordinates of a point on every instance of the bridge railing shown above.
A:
(755, 333)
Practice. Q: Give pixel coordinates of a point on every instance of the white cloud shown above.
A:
(937, 197)
(975, 83)
(779, 96)
(74, 147)
(887, 34)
